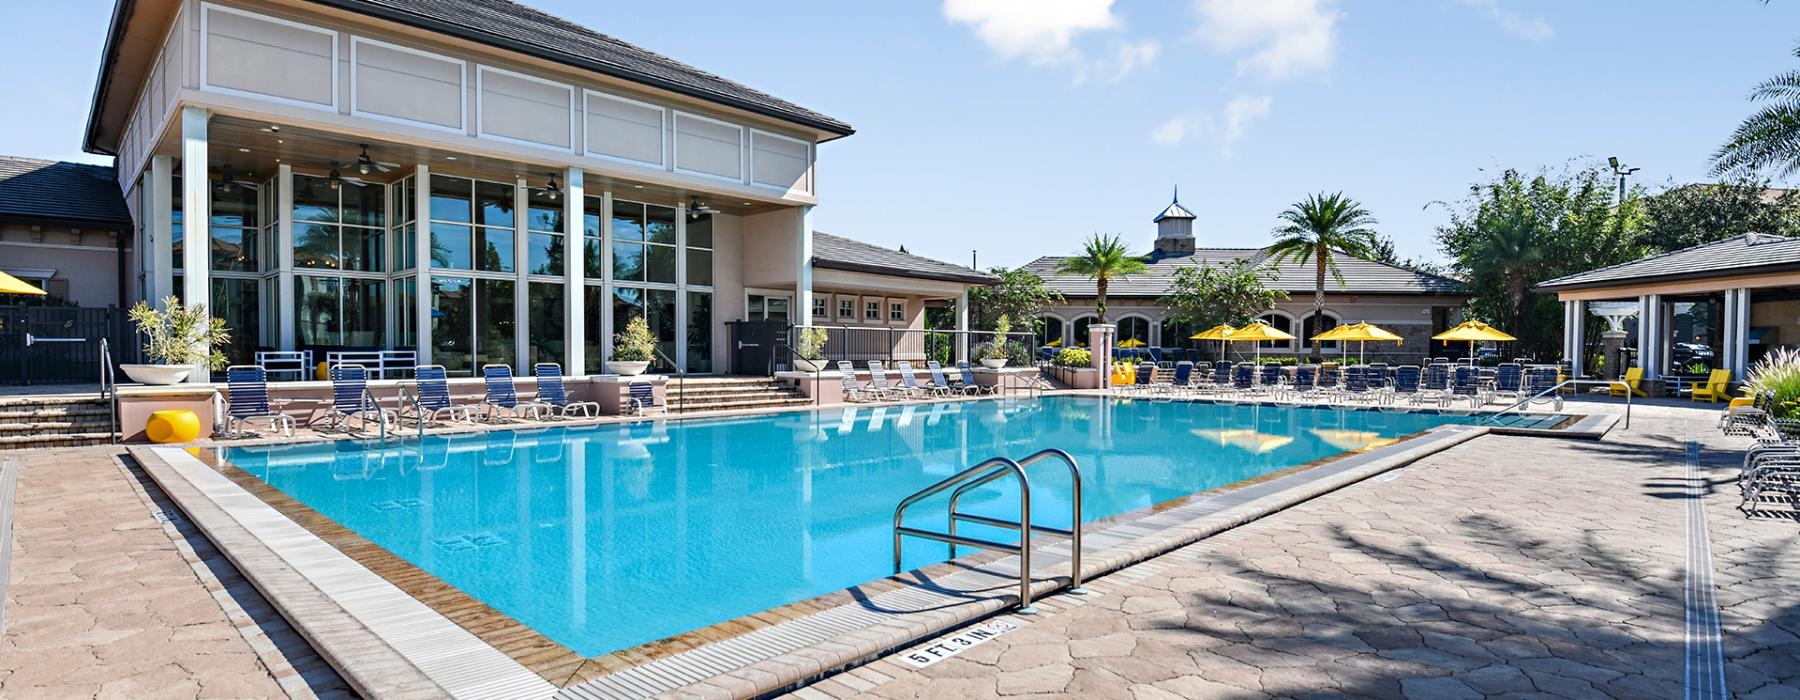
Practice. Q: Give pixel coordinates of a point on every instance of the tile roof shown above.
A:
(516, 27)
(1360, 276)
(48, 190)
(1738, 255)
(839, 253)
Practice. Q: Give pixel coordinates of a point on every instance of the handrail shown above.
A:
(1012, 381)
(795, 355)
(1004, 466)
(109, 390)
(1559, 386)
(680, 375)
(1074, 531)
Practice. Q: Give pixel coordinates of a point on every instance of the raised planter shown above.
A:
(810, 365)
(157, 375)
(628, 369)
(993, 363)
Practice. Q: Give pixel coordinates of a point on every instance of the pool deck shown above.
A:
(1568, 548)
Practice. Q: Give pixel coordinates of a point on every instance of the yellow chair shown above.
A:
(1717, 388)
(1634, 376)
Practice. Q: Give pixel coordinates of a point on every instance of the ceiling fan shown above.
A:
(228, 181)
(336, 179)
(365, 164)
(698, 208)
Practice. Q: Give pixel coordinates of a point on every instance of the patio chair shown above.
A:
(502, 400)
(854, 392)
(1155, 355)
(429, 401)
(909, 380)
(1243, 378)
(1435, 386)
(1539, 383)
(1716, 389)
(1629, 384)
(551, 391)
(640, 399)
(1465, 382)
(968, 380)
(1183, 379)
(1142, 380)
(1330, 383)
(939, 386)
(1271, 379)
(878, 382)
(247, 390)
(1509, 383)
(1405, 383)
(1306, 381)
(351, 398)
(1380, 375)
(1356, 384)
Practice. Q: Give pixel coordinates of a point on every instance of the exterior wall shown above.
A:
(82, 265)
(769, 240)
(728, 284)
(1410, 318)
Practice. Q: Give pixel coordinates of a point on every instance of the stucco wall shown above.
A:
(85, 262)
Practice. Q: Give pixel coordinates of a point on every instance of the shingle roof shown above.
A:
(1738, 255)
(516, 27)
(839, 253)
(1360, 276)
(48, 190)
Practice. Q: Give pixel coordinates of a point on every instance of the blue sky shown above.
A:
(1019, 127)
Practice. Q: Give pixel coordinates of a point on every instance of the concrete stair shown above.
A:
(732, 393)
(54, 421)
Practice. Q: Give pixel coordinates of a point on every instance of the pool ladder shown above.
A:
(987, 472)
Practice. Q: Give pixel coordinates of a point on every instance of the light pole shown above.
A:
(1621, 171)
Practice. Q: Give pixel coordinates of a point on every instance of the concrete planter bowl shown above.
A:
(994, 364)
(628, 369)
(157, 375)
(809, 365)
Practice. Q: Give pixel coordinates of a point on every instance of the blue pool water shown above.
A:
(604, 537)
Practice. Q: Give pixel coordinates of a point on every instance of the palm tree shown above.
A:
(1511, 247)
(1103, 259)
(1770, 138)
(1314, 228)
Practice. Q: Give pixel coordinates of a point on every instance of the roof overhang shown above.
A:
(974, 278)
(1725, 274)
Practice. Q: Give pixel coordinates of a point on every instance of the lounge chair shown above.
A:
(909, 380)
(1306, 381)
(551, 391)
(1243, 378)
(1330, 384)
(1465, 382)
(1539, 385)
(502, 400)
(854, 392)
(1145, 372)
(1270, 378)
(1717, 388)
(351, 398)
(1509, 383)
(1629, 384)
(640, 399)
(1747, 413)
(1435, 385)
(247, 388)
(939, 386)
(968, 380)
(878, 382)
(429, 401)
(1356, 384)
(1405, 383)
(1183, 379)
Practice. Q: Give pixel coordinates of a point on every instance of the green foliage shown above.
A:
(1314, 230)
(181, 335)
(1514, 232)
(1016, 354)
(1778, 373)
(1207, 295)
(1770, 137)
(809, 343)
(1019, 295)
(1684, 217)
(999, 347)
(1385, 253)
(1074, 357)
(635, 344)
(1103, 259)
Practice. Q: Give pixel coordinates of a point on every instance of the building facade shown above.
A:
(1413, 304)
(64, 228)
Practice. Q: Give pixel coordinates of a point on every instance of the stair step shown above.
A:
(70, 400)
(57, 427)
(756, 391)
(20, 442)
(727, 405)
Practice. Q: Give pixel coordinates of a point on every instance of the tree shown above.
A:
(1386, 253)
(1315, 228)
(1770, 137)
(1684, 217)
(1019, 295)
(1103, 259)
(1208, 294)
(1513, 233)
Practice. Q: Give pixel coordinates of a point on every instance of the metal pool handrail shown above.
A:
(1567, 382)
(1073, 533)
(1023, 548)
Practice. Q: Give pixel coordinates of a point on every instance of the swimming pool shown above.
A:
(605, 537)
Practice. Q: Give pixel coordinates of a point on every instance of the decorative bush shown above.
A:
(181, 335)
(1778, 373)
(1015, 353)
(1074, 357)
(809, 343)
(636, 344)
(999, 348)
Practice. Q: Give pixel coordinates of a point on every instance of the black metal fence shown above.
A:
(861, 344)
(61, 345)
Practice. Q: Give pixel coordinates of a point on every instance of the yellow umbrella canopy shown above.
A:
(1361, 332)
(1474, 332)
(1218, 332)
(1131, 343)
(1259, 331)
(13, 285)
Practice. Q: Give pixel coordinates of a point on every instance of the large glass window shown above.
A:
(344, 312)
(545, 322)
(234, 226)
(643, 242)
(593, 209)
(544, 242)
(495, 320)
(1696, 333)
(235, 301)
(338, 225)
(452, 324)
(1050, 330)
(594, 343)
(700, 251)
(659, 311)
(1325, 322)
(699, 332)
(175, 225)
(1134, 332)
(1281, 323)
(471, 224)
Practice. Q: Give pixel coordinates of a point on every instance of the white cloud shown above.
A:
(1284, 38)
(1228, 126)
(1533, 28)
(1239, 113)
(1044, 32)
(1127, 57)
(1178, 128)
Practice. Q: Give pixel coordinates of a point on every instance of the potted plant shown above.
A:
(994, 355)
(632, 349)
(176, 339)
(809, 349)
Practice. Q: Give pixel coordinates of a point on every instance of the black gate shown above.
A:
(753, 345)
(61, 345)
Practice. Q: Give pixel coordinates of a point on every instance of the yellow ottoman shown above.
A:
(172, 426)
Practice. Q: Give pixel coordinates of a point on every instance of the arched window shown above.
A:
(1134, 328)
(1050, 330)
(1080, 328)
(1327, 321)
(1175, 334)
(1282, 323)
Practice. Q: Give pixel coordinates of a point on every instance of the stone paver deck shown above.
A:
(112, 598)
(1504, 566)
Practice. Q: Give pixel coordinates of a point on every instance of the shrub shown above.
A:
(809, 344)
(1015, 353)
(635, 344)
(1074, 357)
(1778, 373)
(999, 348)
(181, 335)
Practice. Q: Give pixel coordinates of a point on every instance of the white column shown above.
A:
(803, 271)
(1740, 348)
(161, 280)
(1578, 311)
(521, 287)
(574, 294)
(606, 272)
(286, 321)
(962, 324)
(681, 300)
(196, 213)
(1650, 354)
(422, 260)
(1730, 335)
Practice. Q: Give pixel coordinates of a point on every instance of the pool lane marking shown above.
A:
(1705, 658)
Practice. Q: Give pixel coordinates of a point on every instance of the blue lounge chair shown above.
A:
(429, 401)
(1434, 385)
(1356, 384)
(502, 400)
(1243, 378)
(1270, 379)
(1509, 382)
(640, 399)
(247, 388)
(351, 398)
(1184, 377)
(551, 391)
(1465, 383)
(1306, 378)
(968, 380)
(1141, 378)
(1542, 379)
(1406, 383)
(1330, 381)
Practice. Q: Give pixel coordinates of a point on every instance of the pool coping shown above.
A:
(397, 656)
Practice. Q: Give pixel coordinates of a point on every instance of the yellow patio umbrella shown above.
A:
(1474, 332)
(1131, 343)
(1352, 440)
(1246, 439)
(13, 285)
(1257, 332)
(1362, 333)
(1221, 333)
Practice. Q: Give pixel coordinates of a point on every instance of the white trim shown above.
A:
(662, 131)
(481, 131)
(462, 87)
(750, 168)
(206, 9)
(675, 142)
